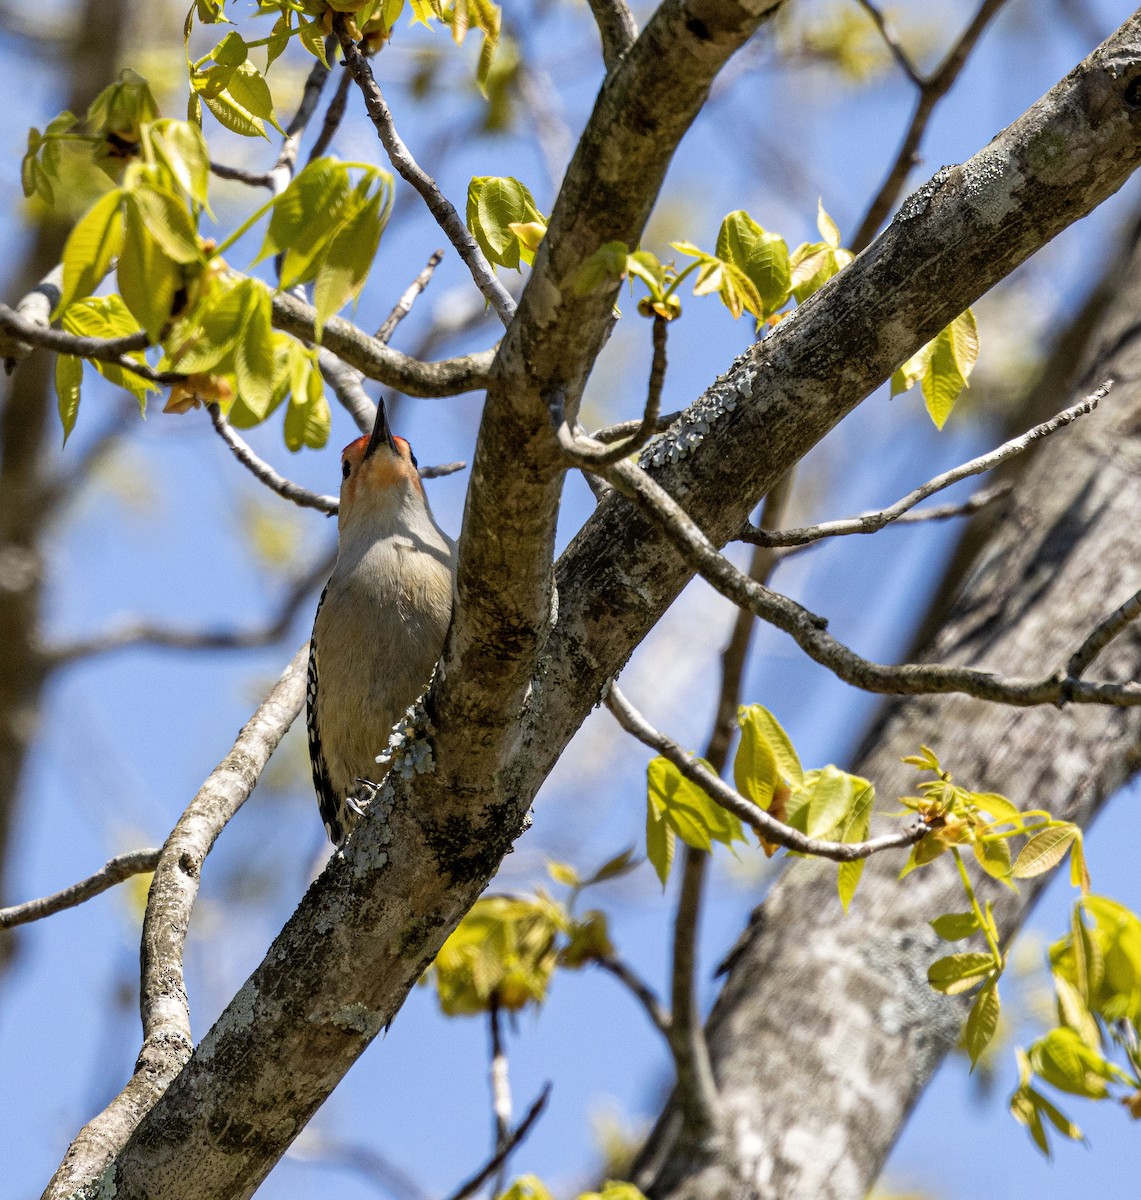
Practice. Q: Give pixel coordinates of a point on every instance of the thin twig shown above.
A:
(617, 29)
(334, 114)
(892, 42)
(238, 175)
(873, 521)
(500, 1079)
(579, 448)
(286, 164)
(639, 989)
(408, 297)
(123, 866)
(1102, 634)
(263, 472)
(931, 91)
(318, 1148)
(499, 1161)
(763, 823)
(809, 631)
(623, 429)
(399, 155)
(164, 638)
(438, 472)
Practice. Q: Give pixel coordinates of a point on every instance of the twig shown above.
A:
(334, 114)
(1102, 635)
(639, 989)
(874, 521)
(263, 472)
(931, 91)
(346, 384)
(123, 866)
(167, 1041)
(314, 1147)
(406, 166)
(499, 1161)
(111, 350)
(580, 449)
(892, 42)
(162, 637)
(751, 814)
(35, 308)
(809, 631)
(623, 429)
(310, 97)
(500, 1090)
(238, 175)
(403, 306)
(617, 29)
(440, 471)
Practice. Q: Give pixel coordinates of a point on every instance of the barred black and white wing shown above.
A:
(328, 802)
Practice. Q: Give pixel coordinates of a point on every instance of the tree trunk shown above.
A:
(826, 1031)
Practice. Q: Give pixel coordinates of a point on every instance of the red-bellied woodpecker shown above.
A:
(381, 622)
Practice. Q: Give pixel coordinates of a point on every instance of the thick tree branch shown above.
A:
(123, 866)
(320, 998)
(874, 521)
(165, 1009)
(406, 166)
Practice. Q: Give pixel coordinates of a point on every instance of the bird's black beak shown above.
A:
(381, 432)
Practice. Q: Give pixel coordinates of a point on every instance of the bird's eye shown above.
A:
(346, 469)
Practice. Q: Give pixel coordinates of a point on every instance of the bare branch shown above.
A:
(263, 472)
(411, 293)
(334, 114)
(1104, 633)
(239, 175)
(513, 1139)
(500, 1079)
(440, 471)
(617, 29)
(318, 1148)
(640, 990)
(810, 631)
(763, 823)
(892, 42)
(310, 96)
(167, 1042)
(111, 350)
(874, 521)
(623, 429)
(374, 359)
(931, 91)
(401, 158)
(123, 866)
(162, 637)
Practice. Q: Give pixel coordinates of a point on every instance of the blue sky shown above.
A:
(127, 739)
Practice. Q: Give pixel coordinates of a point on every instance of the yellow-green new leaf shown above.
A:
(1044, 851)
(68, 377)
(169, 222)
(694, 816)
(959, 972)
(993, 855)
(761, 256)
(180, 147)
(854, 828)
(828, 228)
(982, 1021)
(494, 204)
(953, 356)
(91, 248)
(345, 265)
(148, 279)
(660, 843)
(759, 722)
(953, 927)
(830, 802)
(254, 353)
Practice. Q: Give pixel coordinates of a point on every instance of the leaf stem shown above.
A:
(976, 908)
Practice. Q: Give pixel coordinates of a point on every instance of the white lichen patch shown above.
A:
(993, 183)
(358, 1018)
(723, 396)
(409, 750)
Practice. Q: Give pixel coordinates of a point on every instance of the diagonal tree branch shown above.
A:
(617, 29)
(428, 844)
(122, 866)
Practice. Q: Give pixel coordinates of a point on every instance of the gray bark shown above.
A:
(523, 672)
(816, 1102)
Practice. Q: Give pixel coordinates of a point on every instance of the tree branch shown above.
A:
(809, 631)
(334, 114)
(510, 1143)
(1104, 633)
(892, 42)
(408, 297)
(874, 521)
(406, 166)
(264, 473)
(500, 1080)
(931, 91)
(123, 866)
(167, 1042)
(164, 638)
(617, 29)
(639, 989)
(760, 821)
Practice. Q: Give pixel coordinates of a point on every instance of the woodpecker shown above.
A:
(381, 620)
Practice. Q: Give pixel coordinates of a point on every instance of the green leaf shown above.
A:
(228, 112)
(148, 279)
(304, 217)
(90, 249)
(68, 377)
(168, 221)
(854, 828)
(249, 91)
(756, 721)
(953, 356)
(312, 36)
(994, 857)
(108, 317)
(1064, 1061)
(254, 357)
(180, 147)
(1044, 851)
(694, 816)
(563, 873)
(526, 1187)
(953, 927)
(350, 253)
(231, 51)
(620, 864)
(996, 806)
(959, 972)
(660, 843)
(209, 332)
(830, 801)
(308, 419)
(494, 204)
(827, 227)
(982, 1021)
(762, 256)
(606, 266)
